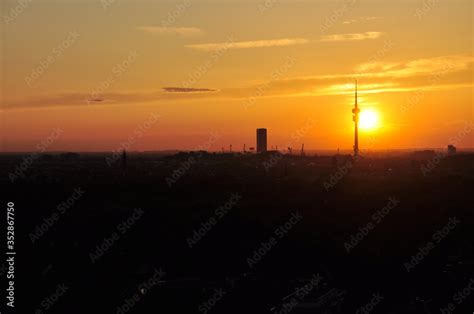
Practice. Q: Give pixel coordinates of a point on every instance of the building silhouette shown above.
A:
(451, 149)
(261, 140)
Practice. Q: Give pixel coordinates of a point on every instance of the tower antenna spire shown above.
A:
(356, 93)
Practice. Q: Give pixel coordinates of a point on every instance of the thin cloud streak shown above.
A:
(282, 42)
(250, 44)
(423, 66)
(123, 98)
(351, 37)
(188, 90)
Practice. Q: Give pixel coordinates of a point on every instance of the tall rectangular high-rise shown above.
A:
(261, 140)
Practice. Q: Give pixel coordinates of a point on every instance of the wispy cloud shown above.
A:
(250, 44)
(265, 43)
(125, 97)
(188, 90)
(375, 77)
(381, 77)
(422, 66)
(181, 31)
(351, 37)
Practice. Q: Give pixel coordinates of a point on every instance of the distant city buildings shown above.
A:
(451, 149)
(261, 140)
(424, 154)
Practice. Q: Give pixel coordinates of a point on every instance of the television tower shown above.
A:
(355, 117)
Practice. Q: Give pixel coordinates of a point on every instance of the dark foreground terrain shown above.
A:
(222, 233)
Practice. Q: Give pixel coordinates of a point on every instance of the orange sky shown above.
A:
(156, 75)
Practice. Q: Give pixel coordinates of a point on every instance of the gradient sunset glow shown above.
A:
(99, 70)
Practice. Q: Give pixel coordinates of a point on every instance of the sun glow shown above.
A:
(369, 119)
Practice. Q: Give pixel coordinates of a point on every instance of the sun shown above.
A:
(368, 119)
